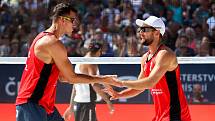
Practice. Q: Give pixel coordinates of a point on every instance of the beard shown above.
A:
(148, 42)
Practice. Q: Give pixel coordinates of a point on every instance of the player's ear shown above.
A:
(61, 20)
(157, 33)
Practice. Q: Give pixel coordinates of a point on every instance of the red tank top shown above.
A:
(38, 82)
(168, 96)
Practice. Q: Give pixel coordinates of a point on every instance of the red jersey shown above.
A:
(38, 82)
(168, 96)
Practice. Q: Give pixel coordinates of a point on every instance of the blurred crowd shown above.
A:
(190, 26)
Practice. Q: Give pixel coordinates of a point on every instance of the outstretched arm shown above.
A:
(92, 70)
(105, 97)
(165, 61)
(72, 98)
(59, 55)
(68, 113)
(129, 93)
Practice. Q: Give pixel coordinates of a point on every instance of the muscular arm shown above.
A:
(165, 61)
(129, 93)
(68, 112)
(59, 55)
(98, 89)
(72, 98)
(92, 70)
(105, 97)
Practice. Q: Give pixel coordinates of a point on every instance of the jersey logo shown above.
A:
(156, 91)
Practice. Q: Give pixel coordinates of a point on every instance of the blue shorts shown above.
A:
(34, 112)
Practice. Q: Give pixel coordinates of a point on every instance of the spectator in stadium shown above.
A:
(132, 47)
(14, 50)
(4, 46)
(173, 28)
(202, 12)
(211, 20)
(112, 12)
(182, 48)
(192, 41)
(73, 44)
(197, 96)
(212, 42)
(119, 45)
(177, 10)
(204, 49)
(6, 17)
(199, 31)
(27, 15)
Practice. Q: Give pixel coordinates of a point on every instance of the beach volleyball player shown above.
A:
(160, 73)
(47, 59)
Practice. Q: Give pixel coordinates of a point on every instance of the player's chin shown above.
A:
(142, 40)
(73, 28)
(69, 33)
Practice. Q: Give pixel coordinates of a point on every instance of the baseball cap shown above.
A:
(98, 31)
(154, 22)
(93, 45)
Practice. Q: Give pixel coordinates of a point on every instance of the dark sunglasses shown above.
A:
(146, 29)
(72, 20)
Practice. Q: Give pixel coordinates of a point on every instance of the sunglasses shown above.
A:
(146, 29)
(72, 20)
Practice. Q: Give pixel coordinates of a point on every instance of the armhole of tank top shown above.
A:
(48, 33)
(42, 35)
(176, 69)
(33, 44)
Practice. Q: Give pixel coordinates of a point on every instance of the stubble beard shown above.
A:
(148, 42)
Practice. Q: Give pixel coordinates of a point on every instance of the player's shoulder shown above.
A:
(46, 41)
(51, 39)
(168, 56)
(54, 46)
(167, 52)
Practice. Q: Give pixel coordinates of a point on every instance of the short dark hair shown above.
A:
(184, 36)
(61, 10)
(94, 46)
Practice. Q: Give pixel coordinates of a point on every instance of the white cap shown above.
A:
(154, 22)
